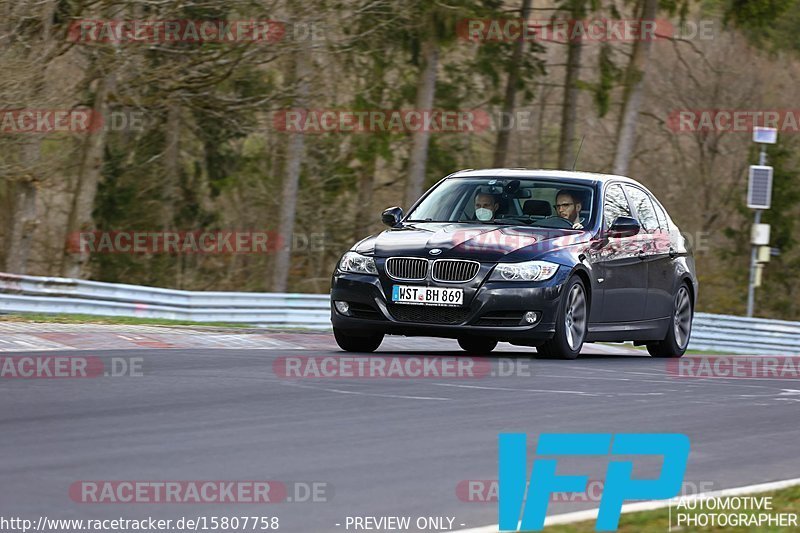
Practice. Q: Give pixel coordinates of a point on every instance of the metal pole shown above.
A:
(751, 286)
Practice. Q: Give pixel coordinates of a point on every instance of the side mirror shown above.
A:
(392, 216)
(624, 227)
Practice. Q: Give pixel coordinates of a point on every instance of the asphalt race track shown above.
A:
(381, 446)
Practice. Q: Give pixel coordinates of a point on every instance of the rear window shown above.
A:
(645, 212)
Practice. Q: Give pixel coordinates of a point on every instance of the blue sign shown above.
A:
(619, 483)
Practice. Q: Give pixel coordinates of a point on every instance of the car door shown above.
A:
(651, 250)
(621, 273)
(661, 268)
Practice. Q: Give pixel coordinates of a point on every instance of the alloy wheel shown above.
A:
(575, 317)
(682, 319)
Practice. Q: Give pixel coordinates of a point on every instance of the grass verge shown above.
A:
(785, 501)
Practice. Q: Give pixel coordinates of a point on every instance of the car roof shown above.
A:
(540, 173)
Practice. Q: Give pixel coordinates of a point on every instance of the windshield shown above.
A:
(517, 201)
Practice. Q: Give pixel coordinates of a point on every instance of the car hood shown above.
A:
(473, 241)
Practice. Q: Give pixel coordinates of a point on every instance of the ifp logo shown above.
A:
(619, 484)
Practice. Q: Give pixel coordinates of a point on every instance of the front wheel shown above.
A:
(571, 323)
(680, 328)
(351, 342)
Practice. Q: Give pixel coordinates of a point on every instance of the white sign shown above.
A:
(760, 235)
(765, 135)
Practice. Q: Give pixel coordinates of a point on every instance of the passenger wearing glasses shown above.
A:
(569, 207)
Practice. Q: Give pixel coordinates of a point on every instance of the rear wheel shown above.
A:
(571, 323)
(680, 328)
(354, 342)
(477, 345)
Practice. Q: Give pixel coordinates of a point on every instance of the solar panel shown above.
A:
(759, 187)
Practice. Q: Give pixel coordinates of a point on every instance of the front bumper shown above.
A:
(492, 309)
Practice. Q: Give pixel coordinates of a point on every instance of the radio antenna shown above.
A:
(578, 153)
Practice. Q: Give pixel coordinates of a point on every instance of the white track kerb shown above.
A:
(591, 514)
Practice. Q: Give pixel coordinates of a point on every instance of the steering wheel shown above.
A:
(562, 222)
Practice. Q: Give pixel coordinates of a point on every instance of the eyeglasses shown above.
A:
(563, 205)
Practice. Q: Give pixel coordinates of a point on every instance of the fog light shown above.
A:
(530, 317)
(343, 308)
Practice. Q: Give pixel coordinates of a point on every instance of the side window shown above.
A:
(645, 211)
(662, 217)
(615, 205)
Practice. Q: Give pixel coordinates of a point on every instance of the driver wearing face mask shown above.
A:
(486, 206)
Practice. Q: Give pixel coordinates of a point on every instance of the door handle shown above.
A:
(672, 253)
(641, 254)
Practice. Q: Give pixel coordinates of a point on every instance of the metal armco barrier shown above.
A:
(31, 294)
(736, 334)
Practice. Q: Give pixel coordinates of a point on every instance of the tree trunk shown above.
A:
(366, 182)
(540, 124)
(509, 103)
(632, 95)
(76, 262)
(569, 110)
(366, 179)
(295, 153)
(23, 191)
(418, 159)
(22, 217)
(172, 168)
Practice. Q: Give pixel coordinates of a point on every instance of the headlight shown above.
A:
(525, 271)
(357, 263)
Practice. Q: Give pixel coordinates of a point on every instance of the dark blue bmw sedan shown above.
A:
(542, 258)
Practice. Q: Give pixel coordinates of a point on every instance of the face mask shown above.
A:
(483, 214)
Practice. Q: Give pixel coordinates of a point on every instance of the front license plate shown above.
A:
(409, 294)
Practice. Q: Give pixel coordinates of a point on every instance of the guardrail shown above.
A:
(735, 334)
(32, 294)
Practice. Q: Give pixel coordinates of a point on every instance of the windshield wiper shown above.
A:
(495, 222)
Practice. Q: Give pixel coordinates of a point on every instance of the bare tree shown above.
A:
(569, 108)
(22, 215)
(75, 263)
(633, 93)
(426, 88)
(294, 157)
(37, 45)
(509, 102)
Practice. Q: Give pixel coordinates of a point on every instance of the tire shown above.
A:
(680, 328)
(477, 345)
(350, 342)
(572, 320)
